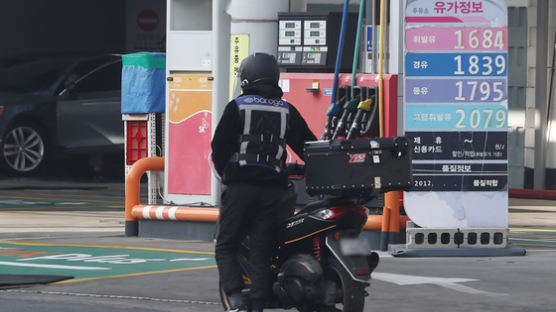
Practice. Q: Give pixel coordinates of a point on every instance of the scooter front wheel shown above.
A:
(349, 294)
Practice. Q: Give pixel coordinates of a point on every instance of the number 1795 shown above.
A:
(480, 91)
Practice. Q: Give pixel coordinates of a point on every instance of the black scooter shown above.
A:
(320, 263)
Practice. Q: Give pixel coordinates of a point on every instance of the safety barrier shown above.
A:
(532, 194)
(135, 211)
(175, 213)
(418, 238)
(132, 187)
(178, 213)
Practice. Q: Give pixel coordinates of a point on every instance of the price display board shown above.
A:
(456, 112)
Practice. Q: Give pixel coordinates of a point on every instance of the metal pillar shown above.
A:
(298, 6)
(540, 94)
(220, 72)
(368, 63)
(396, 37)
(259, 19)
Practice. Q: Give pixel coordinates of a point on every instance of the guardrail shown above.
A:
(389, 222)
(175, 213)
(132, 189)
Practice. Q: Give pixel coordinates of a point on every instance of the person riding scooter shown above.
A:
(249, 153)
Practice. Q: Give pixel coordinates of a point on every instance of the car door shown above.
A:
(88, 111)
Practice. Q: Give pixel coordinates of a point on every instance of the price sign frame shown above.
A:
(456, 112)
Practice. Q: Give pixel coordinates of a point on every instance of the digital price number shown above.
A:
(480, 65)
(444, 91)
(452, 64)
(479, 91)
(454, 39)
(480, 39)
(481, 118)
(448, 117)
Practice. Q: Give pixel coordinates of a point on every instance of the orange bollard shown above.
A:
(132, 187)
(385, 226)
(392, 200)
(374, 223)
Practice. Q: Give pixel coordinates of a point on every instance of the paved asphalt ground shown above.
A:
(52, 227)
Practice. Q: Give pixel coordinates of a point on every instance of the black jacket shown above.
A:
(226, 142)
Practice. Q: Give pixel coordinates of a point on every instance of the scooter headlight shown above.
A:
(335, 212)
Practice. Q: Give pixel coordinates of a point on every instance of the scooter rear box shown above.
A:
(358, 167)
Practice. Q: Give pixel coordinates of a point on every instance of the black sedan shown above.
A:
(59, 105)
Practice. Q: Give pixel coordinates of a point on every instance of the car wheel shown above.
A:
(23, 149)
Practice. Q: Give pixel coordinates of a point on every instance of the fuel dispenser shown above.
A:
(309, 42)
(307, 48)
(189, 119)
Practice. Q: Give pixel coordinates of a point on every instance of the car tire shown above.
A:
(23, 150)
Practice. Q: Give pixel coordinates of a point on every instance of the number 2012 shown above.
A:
(423, 183)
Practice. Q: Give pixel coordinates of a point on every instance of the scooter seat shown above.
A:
(328, 202)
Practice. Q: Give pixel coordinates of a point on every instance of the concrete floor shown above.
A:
(400, 284)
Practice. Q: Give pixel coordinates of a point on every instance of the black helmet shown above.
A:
(259, 69)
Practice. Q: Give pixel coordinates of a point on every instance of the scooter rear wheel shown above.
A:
(350, 294)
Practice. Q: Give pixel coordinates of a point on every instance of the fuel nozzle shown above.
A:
(334, 112)
(347, 115)
(363, 108)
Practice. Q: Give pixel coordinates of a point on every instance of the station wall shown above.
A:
(532, 116)
(35, 27)
(30, 28)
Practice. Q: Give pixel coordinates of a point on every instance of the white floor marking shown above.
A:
(189, 259)
(450, 283)
(53, 266)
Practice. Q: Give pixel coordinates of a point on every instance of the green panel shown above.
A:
(145, 59)
(92, 262)
(541, 238)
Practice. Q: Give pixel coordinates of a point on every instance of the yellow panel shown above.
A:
(238, 51)
(184, 104)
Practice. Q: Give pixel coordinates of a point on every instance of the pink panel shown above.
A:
(192, 163)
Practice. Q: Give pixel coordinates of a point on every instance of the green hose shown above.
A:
(357, 43)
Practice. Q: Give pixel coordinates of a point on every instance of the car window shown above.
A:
(87, 66)
(104, 78)
(30, 76)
